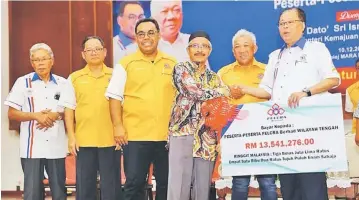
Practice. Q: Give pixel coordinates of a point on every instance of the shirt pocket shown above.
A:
(84, 92)
(139, 76)
(29, 92)
(305, 70)
(167, 71)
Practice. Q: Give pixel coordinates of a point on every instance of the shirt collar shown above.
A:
(124, 39)
(105, 70)
(140, 56)
(36, 77)
(194, 68)
(255, 63)
(300, 43)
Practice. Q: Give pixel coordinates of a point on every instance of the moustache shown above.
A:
(199, 54)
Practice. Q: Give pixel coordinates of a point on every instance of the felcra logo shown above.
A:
(348, 15)
(275, 110)
(276, 113)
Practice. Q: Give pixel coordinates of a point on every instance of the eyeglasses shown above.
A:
(133, 17)
(96, 50)
(288, 23)
(142, 34)
(198, 46)
(37, 60)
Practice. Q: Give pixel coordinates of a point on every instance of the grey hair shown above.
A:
(156, 3)
(39, 46)
(244, 32)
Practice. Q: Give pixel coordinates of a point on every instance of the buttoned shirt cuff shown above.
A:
(60, 109)
(109, 95)
(67, 105)
(13, 105)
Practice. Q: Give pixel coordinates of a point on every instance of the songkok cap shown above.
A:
(199, 34)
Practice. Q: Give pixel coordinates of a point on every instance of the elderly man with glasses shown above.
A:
(192, 146)
(33, 102)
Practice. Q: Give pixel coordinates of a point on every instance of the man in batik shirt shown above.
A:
(192, 147)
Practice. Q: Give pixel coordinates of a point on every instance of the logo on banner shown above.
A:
(275, 110)
(276, 113)
(348, 15)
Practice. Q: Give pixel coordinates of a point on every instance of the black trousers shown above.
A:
(33, 169)
(106, 160)
(137, 159)
(304, 186)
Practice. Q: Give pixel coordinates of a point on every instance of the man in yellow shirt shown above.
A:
(246, 71)
(141, 95)
(91, 138)
(352, 98)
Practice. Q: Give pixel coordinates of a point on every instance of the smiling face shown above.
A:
(42, 62)
(244, 50)
(199, 50)
(94, 52)
(147, 37)
(291, 27)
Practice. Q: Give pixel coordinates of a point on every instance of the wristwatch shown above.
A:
(307, 91)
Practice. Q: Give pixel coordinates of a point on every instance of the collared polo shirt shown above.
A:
(290, 70)
(147, 95)
(31, 94)
(85, 94)
(351, 101)
(234, 74)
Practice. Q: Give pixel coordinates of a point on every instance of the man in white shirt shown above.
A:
(169, 16)
(33, 101)
(298, 70)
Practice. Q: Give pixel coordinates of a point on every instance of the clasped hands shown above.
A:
(236, 91)
(46, 119)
